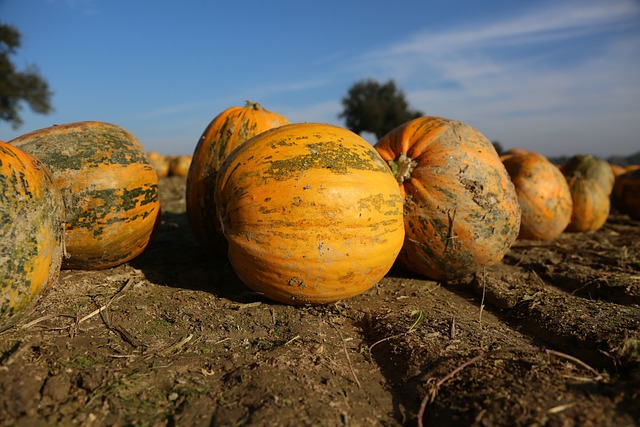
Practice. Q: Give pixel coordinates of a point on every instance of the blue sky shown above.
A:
(553, 76)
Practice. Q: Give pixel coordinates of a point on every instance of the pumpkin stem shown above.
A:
(402, 167)
(253, 105)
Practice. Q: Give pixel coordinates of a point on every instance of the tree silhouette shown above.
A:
(377, 108)
(17, 86)
(498, 146)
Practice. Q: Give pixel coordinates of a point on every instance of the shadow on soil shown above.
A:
(175, 258)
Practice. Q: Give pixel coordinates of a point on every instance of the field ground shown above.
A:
(550, 336)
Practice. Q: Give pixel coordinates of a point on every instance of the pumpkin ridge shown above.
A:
(424, 134)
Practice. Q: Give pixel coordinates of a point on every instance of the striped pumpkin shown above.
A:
(31, 232)
(461, 209)
(109, 187)
(311, 213)
(226, 132)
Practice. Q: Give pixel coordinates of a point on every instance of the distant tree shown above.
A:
(17, 86)
(498, 146)
(634, 159)
(377, 108)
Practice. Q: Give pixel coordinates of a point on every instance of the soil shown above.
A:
(550, 336)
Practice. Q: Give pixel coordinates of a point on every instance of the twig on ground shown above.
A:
(115, 297)
(292, 340)
(383, 340)
(176, 346)
(43, 318)
(484, 290)
(419, 317)
(435, 385)
(346, 352)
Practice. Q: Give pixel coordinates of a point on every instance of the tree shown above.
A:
(377, 108)
(17, 86)
(498, 146)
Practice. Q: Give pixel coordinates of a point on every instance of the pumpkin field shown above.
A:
(548, 336)
(294, 274)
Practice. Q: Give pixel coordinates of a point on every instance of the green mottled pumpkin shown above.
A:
(311, 212)
(228, 130)
(31, 232)
(590, 167)
(461, 208)
(591, 204)
(109, 188)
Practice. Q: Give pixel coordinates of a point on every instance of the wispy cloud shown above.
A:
(519, 68)
(550, 23)
(88, 7)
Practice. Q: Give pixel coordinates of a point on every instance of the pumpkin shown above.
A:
(461, 208)
(617, 170)
(590, 167)
(311, 213)
(110, 190)
(225, 132)
(514, 151)
(31, 232)
(179, 165)
(591, 204)
(628, 188)
(543, 194)
(616, 196)
(160, 163)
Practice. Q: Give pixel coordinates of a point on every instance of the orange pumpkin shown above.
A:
(590, 167)
(514, 151)
(543, 194)
(311, 213)
(179, 165)
(591, 204)
(617, 169)
(628, 189)
(227, 131)
(461, 209)
(31, 232)
(109, 188)
(160, 163)
(616, 196)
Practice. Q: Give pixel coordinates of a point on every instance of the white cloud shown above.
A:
(88, 7)
(487, 75)
(560, 21)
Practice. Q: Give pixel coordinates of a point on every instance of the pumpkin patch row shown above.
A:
(307, 213)
(310, 213)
